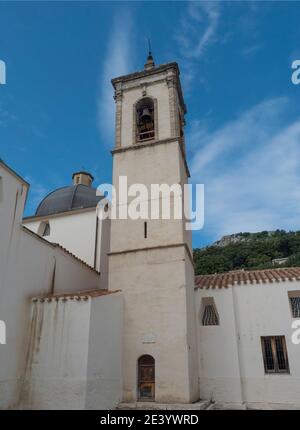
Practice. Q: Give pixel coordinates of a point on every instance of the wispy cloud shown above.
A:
(5, 116)
(251, 170)
(118, 61)
(197, 30)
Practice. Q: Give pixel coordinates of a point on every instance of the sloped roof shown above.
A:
(224, 280)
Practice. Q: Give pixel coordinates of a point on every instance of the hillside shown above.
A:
(249, 251)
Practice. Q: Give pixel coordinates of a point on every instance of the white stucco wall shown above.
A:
(26, 269)
(74, 231)
(74, 353)
(105, 355)
(80, 233)
(230, 355)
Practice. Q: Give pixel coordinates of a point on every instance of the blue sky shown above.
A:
(243, 121)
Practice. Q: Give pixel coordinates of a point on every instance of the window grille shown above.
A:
(210, 316)
(295, 305)
(275, 354)
(46, 231)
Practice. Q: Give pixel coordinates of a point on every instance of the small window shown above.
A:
(210, 315)
(46, 231)
(275, 354)
(145, 230)
(294, 297)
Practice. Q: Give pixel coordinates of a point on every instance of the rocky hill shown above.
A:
(248, 251)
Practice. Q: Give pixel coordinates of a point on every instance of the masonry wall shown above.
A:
(154, 285)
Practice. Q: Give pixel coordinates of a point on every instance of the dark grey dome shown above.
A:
(68, 198)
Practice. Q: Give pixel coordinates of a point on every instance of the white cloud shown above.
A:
(197, 30)
(251, 171)
(5, 116)
(118, 61)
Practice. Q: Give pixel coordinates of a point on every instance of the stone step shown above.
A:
(203, 404)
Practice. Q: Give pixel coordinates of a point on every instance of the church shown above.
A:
(103, 312)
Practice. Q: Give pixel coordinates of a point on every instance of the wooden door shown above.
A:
(146, 378)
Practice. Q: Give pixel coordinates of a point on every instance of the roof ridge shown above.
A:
(225, 279)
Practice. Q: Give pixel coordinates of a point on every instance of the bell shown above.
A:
(145, 115)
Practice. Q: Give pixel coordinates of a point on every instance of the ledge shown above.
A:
(136, 146)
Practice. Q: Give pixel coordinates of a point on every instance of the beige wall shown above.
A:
(158, 164)
(156, 275)
(154, 284)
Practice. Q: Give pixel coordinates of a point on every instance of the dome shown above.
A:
(68, 198)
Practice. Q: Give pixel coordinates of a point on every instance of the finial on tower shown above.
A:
(150, 62)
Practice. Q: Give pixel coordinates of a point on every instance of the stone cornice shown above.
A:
(117, 82)
(154, 248)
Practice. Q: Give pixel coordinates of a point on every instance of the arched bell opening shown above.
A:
(145, 122)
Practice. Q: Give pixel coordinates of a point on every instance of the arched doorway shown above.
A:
(146, 378)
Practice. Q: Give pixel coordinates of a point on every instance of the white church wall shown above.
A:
(56, 364)
(230, 355)
(264, 310)
(104, 375)
(217, 354)
(75, 231)
(26, 269)
(74, 353)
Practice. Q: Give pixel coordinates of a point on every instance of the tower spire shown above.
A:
(150, 62)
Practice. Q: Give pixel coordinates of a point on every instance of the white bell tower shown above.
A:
(151, 260)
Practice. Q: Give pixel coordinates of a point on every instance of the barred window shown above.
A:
(210, 316)
(275, 354)
(295, 306)
(46, 231)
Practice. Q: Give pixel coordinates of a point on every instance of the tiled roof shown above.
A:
(224, 280)
(77, 295)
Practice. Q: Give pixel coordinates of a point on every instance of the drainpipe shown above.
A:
(238, 344)
(96, 241)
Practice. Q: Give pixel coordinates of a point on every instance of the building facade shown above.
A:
(100, 312)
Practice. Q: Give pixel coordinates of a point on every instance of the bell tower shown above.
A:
(150, 260)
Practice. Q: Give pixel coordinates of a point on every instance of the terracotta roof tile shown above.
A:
(224, 280)
(74, 295)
